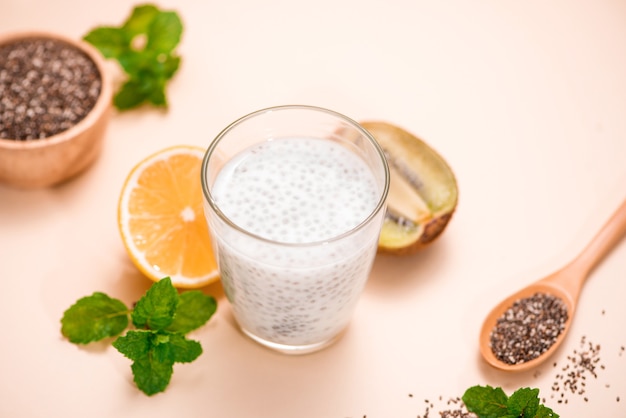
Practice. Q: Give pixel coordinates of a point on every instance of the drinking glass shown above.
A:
(292, 232)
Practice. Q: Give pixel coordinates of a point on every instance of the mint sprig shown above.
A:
(490, 402)
(161, 319)
(144, 46)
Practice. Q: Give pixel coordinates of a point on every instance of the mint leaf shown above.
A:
(130, 95)
(156, 95)
(135, 344)
(167, 66)
(545, 412)
(110, 41)
(486, 401)
(194, 310)
(164, 32)
(140, 19)
(154, 354)
(152, 373)
(184, 350)
(93, 318)
(137, 65)
(155, 310)
(152, 357)
(524, 403)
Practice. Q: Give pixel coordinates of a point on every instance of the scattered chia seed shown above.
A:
(46, 87)
(454, 408)
(528, 328)
(582, 363)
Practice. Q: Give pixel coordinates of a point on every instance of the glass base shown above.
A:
(293, 349)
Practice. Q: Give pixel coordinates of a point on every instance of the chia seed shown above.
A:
(453, 408)
(582, 363)
(46, 87)
(528, 328)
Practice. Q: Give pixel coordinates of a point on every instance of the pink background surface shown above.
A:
(525, 99)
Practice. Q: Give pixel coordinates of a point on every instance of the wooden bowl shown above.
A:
(37, 163)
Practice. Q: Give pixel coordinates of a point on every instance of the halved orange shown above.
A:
(161, 219)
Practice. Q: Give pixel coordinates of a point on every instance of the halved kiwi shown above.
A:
(423, 191)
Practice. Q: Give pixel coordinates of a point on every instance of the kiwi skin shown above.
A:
(425, 195)
(430, 231)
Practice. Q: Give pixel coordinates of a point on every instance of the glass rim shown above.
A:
(208, 197)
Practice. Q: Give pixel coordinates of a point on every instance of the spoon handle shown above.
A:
(610, 234)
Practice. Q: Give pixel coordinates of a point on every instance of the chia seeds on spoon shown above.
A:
(46, 87)
(528, 328)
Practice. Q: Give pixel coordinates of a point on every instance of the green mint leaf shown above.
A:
(194, 310)
(152, 373)
(524, 403)
(136, 63)
(130, 95)
(94, 318)
(135, 345)
(171, 346)
(164, 32)
(486, 401)
(140, 19)
(183, 350)
(166, 65)
(152, 356)
(149, 80)
(545, 412)
(111, 42)
(155, 310)
(138, 90)
(149, 64)
(156, 95)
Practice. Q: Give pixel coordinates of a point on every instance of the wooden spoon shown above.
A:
(565, 284)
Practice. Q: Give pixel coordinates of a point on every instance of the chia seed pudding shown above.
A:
(46, 87)
(293, 282)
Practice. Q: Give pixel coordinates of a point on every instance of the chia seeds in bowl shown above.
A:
(55, 103)
(46, 87)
